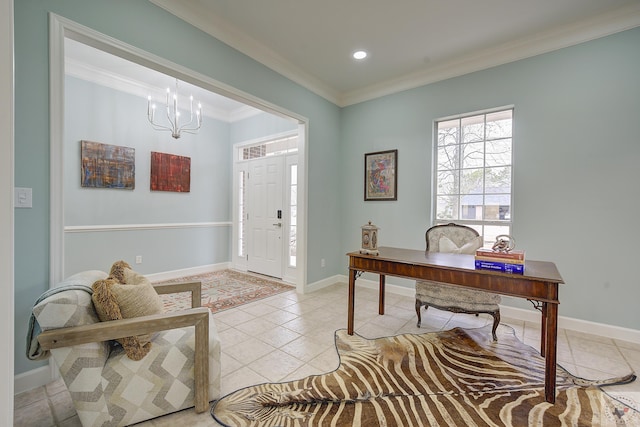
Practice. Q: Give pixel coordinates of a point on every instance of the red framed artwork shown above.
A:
(170, 172)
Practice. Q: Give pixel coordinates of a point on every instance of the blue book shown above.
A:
(503, 267)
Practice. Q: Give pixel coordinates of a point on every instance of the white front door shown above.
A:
(264, 223)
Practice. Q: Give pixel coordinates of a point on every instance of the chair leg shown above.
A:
(496, 322)
(418, 305)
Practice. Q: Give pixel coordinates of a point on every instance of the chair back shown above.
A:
(458, 234)
(69, 305)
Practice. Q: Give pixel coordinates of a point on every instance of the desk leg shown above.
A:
(550, 320)
(381, 295)
(351, 302)
(543, 330)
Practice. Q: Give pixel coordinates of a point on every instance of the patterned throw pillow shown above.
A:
(126, 294)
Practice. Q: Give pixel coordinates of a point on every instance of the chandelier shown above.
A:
(173, 115)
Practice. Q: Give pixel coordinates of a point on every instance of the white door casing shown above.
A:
(265, 210)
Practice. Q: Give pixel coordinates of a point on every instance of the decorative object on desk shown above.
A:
(381, 175)
(502, 257)
(107, 166)
(514, 256)
(504, 243)
(455, 377)
(503, 267)
(369, 239)
(170, 172)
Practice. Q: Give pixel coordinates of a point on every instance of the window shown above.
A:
(274, 147)
(242, 212)
(293, 214)
(473, 172)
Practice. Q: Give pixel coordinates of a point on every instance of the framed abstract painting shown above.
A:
(107, 166)
(170, 172)
(381, 175)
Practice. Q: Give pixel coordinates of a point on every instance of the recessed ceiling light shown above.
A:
(359, 54)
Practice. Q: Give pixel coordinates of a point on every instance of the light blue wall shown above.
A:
(576, 136)
(145, 26)
(576, 174)
(97, 113)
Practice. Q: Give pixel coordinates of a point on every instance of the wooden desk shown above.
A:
(539, 284)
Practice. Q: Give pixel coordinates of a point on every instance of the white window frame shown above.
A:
(479, 225)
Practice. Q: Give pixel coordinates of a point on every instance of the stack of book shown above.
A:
(506, 262)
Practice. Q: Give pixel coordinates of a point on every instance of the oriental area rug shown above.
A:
(458, 377)
(225, 289)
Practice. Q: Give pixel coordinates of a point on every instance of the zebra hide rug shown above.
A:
(452, 378)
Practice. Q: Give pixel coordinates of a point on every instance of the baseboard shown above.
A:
(31, 379)
(569, 323)
(577, 325)
(316, 286)
(192, 271)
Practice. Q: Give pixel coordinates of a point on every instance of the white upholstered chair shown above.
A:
(457, 239)
(181, 370)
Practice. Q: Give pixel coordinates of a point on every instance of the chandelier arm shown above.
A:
(171, 122)
(160, 127)
(173, 116)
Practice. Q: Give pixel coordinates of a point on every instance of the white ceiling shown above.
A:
(410, 42)
(91, 64)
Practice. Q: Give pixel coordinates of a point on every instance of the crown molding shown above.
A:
(121, 83)
(612, 22)
(217, 28)
(616, 21)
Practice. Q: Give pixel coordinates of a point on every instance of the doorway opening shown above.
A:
(62, 29)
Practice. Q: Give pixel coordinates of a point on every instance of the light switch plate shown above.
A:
(23, 197)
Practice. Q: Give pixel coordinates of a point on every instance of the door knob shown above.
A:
(278, 224)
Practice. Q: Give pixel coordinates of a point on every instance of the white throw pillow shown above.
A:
(448, 246)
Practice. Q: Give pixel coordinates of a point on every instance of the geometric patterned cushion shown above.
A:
(66, 309)
(124, 391)
(108, 388)
(444, 295)
(73, 308)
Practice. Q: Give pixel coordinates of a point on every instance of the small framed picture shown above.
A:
(381, 175)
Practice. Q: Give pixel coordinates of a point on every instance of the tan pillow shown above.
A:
(126, 294)
(448, 246)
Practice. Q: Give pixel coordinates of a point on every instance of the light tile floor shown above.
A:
(290, 336)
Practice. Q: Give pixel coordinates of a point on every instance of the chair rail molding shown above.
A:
(137, 227)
